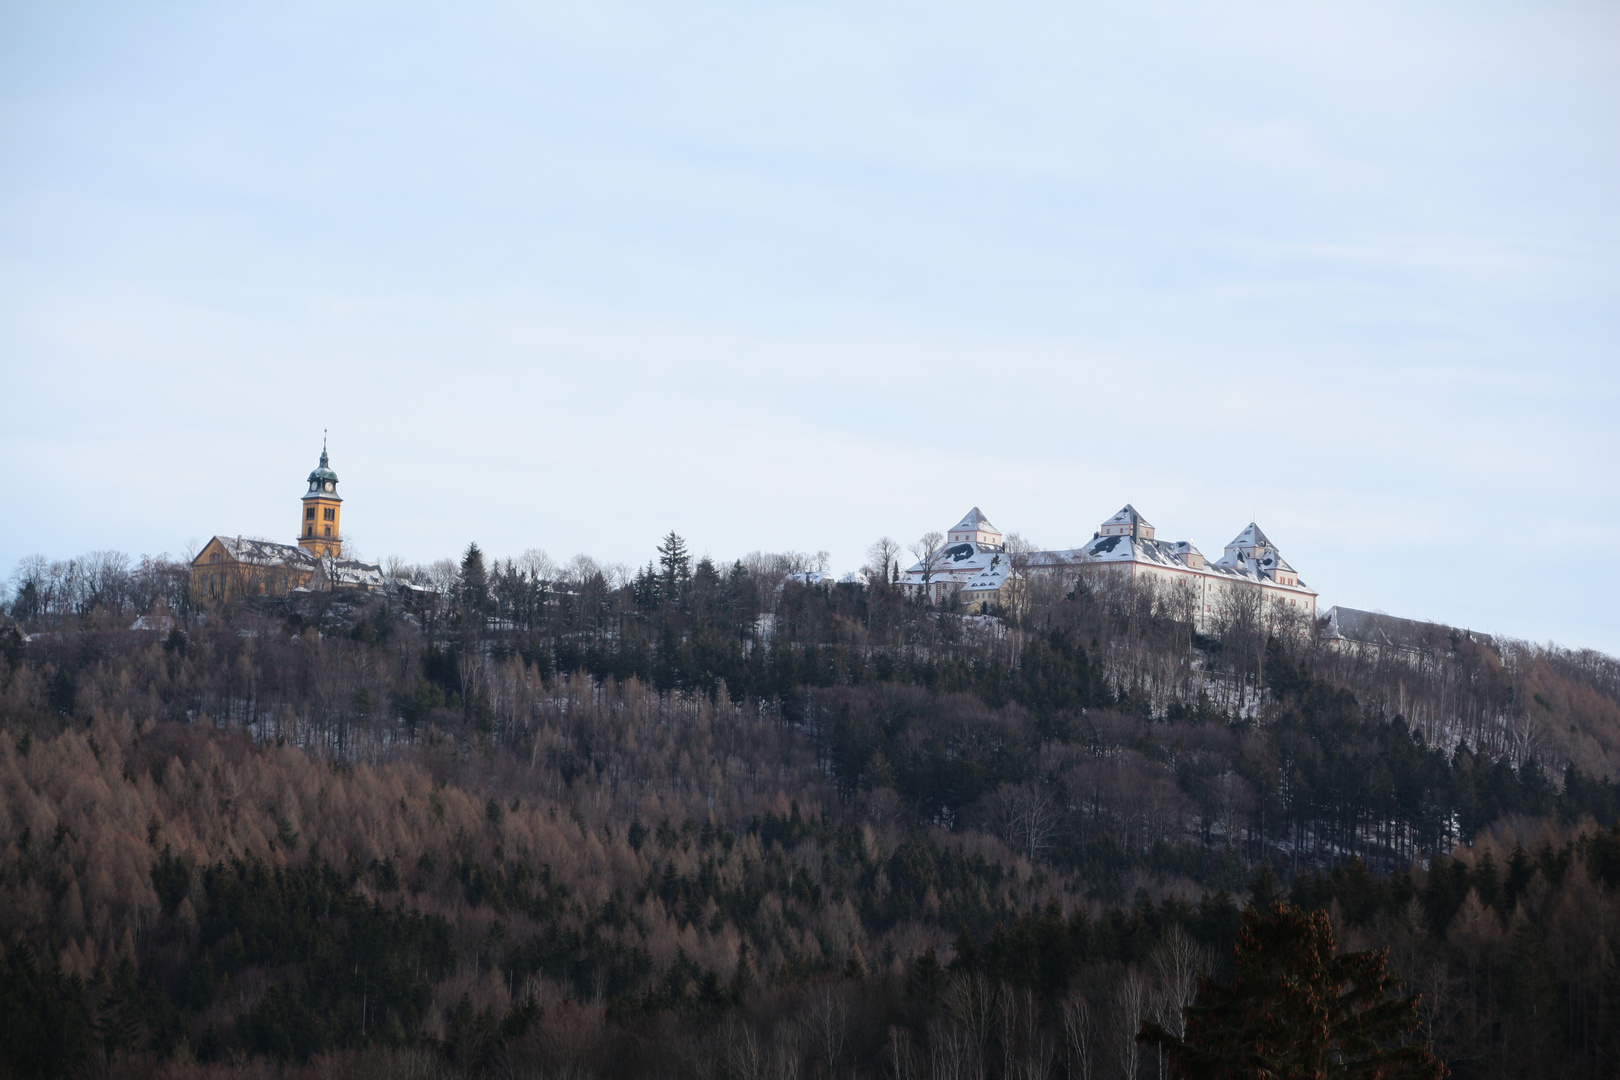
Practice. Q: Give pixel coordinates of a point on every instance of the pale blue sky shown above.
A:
(798, 275)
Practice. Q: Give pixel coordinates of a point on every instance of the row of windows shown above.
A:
(216, 585)
(329, 513)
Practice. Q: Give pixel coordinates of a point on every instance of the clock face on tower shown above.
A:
(329, 485)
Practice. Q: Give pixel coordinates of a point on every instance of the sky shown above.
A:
(794, 276)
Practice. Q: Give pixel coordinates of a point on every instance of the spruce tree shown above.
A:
(474, 580)
(1295, 1009)
(676, 564)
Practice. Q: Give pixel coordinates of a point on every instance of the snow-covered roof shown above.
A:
(264, 553)
(1250, 558)
(959, 560)
(809, 577)
(1169, 554)
(1128, 516)
(975, 522)
(1250, 537)
(1273, 560)
(353, 572)
(270, 555)
(990, 578)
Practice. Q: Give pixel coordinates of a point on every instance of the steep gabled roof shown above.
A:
(252, 552)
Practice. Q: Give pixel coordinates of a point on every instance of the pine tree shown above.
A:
(1295, 1009)
(474, 580)
(676, 564)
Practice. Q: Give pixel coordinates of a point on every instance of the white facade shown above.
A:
(1125, 546)
(973, 558)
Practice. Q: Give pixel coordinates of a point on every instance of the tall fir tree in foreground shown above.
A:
(1297, 1011)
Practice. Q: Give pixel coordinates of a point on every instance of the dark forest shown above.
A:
(509, 819)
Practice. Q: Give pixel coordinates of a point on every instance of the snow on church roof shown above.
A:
(254, 552)
(268, 554)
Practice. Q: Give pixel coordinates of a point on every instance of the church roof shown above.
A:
(975, 521)
(324, 470)
(251, 552)
(268, 554)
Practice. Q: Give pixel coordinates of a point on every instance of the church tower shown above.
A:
(322, 509)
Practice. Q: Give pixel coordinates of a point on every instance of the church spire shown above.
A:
(318, 529)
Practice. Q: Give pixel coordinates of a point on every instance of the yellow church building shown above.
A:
(229, 567)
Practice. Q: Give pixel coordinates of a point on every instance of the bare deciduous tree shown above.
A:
(827, 1021)
(881, 559)
(1177, 962)
(1130, 1008)
(930, 554)
(1080, 1036)
(1026, 816)
(970, 1001)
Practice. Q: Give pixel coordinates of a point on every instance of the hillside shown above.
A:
(707, 822)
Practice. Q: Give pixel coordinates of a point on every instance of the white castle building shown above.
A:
(975, 564)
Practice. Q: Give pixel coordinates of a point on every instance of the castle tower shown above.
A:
(975, 529)
(1127, 523)
(322, 510)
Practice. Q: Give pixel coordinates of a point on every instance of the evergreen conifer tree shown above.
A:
(474, 580)
(1297, 1010)
(676, 564)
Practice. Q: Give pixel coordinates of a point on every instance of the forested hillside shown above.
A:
(700, 820)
